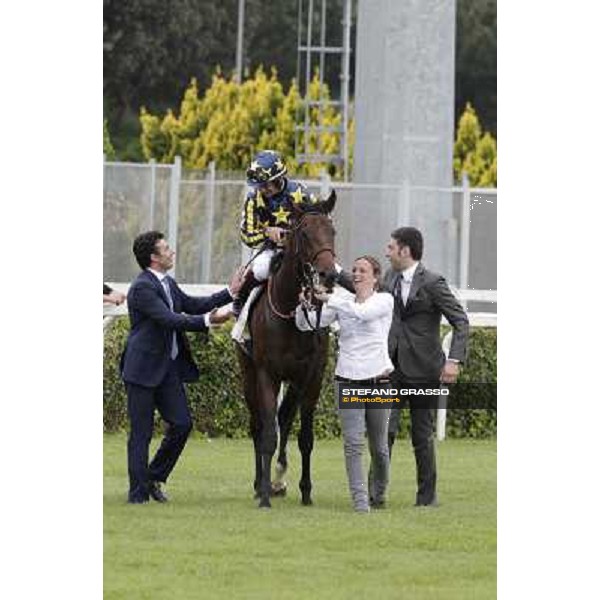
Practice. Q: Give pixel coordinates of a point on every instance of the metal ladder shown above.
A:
(306, 50)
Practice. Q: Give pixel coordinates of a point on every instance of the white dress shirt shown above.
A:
(406, 281)
(364, 330)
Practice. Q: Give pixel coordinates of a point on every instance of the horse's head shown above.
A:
(311, 240)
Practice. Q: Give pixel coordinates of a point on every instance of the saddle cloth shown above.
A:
(237, 333)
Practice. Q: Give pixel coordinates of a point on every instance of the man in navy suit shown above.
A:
(157, 361)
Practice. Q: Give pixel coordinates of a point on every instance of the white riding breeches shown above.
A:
(260, 265)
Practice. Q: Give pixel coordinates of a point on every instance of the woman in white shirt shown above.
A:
(364, 320)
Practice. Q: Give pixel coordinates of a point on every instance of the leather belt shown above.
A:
(371, 381)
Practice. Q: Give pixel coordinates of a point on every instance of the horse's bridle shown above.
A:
(308, 276)
(296, 231)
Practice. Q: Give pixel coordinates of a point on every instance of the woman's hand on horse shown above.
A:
(320, 293)
(305, 296)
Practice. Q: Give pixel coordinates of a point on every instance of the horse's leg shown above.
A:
(307, 415)
(305, 443)
(255, 431)
(249, 383)
(267, 390)
(285, 417)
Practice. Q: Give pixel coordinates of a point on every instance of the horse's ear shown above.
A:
(328, 205)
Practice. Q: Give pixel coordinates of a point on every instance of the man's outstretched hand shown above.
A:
(114, 298)
(218, 316)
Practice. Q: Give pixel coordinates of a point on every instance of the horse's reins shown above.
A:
(289, 315)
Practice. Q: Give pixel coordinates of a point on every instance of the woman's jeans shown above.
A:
(354, 421)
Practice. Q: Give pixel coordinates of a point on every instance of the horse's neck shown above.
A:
(286, 286)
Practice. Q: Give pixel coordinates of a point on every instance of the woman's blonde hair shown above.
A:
(376, 266)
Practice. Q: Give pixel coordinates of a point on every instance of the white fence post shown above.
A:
(152, 191)
(465, 234)
(209, 223)
(174, 205)
(451, 244)
(325, 184)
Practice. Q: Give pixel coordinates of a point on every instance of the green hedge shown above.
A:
(219, 411)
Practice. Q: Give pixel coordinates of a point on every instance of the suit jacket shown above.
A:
(414, 341)
(147, 353)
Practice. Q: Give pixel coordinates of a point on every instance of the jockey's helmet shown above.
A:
(267, 165)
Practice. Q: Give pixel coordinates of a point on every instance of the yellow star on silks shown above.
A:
(279, 164)
(281, 215)
(297, 196)
(254, 165)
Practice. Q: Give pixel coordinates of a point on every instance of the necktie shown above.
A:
(167, 288)
(398, 288)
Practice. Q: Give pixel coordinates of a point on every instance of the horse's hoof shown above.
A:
(264, 503)
(307, 501)
(279, 489)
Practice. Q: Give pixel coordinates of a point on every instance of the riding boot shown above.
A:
(249, 284)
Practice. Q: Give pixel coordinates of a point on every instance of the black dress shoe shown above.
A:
(156, 492)
(433, 504)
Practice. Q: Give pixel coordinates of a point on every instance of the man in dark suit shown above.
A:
(157, 361)
(421, 297)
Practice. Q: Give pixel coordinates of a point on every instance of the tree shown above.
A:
(271, 37)
(476, 59)
(109, 151)
(232, 121)
(475, 152)
(152, 47)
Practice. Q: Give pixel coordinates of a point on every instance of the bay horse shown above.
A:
(282, 353)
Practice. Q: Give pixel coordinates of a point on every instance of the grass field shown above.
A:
(211, 541)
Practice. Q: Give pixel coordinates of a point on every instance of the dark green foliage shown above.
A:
(115, 400)
(217, 403)
(107, 147)
(480, 368)
(476, 60)
(152, 49)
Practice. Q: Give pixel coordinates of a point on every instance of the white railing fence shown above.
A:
(477, 319)
(200, 211)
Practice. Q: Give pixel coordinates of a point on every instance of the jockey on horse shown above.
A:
(266, 216)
